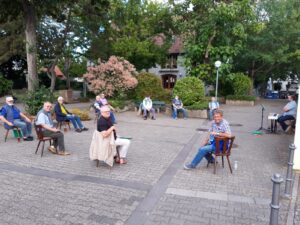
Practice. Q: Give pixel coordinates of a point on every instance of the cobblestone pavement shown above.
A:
(152, 188)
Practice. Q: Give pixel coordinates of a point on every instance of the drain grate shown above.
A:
(236, 125)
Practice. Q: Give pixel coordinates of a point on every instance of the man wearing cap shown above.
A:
(12, 116)
(63, 114)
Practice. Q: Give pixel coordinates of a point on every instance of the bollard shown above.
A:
(289, 173)
(277, 180)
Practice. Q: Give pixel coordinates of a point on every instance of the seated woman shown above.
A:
(63, 114)
(101, 101)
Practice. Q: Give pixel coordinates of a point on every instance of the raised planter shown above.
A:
(202, 114)
(239, 102)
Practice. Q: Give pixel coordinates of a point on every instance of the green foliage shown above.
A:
(150, 85)
(34, 100)
(201, 105)
(203, 72)
(190, 90)
(116, 103)
(241, 97)
(241, 84)
(5, 86)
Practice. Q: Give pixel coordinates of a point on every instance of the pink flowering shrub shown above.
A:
(114, 76)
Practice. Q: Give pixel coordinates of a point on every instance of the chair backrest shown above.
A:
(223, 145)
(39, 131)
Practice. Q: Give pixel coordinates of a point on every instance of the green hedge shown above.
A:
(202, 105)
(5, 86)
(241, 97)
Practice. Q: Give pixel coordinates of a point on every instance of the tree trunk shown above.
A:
(30, 34)
(53, 74)
(206, 56)
(66, 71)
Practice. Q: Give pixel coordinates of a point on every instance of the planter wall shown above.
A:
(239, 102)
(202, 114)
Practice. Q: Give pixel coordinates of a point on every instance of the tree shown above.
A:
(112, 77)
(213, 30)
(131, 30)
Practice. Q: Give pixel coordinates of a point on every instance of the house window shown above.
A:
(171, 61)
(168, 81)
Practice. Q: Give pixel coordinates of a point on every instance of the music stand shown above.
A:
(262, 118)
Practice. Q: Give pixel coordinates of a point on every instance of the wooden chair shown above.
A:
(41, 138)
(16, 130)
(65, 123)
(221, 144)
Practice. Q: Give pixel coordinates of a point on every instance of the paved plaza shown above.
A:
(153, 188)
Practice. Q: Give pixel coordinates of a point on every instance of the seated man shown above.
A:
(106, 127)
(147, 107)
(12, 116)
(213, 105)
(220, 127)
(290, 111)
(63, 114)
(44, 119)
(101, 101)
(178, 107)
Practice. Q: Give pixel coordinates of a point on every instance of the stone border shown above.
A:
(239, 102)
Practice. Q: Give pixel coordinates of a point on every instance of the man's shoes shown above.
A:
(52, 149)
(188, 166)
(123, 161)
(28, 138)
(64, 153)
(145, 118)
(152, 118)
(84, 129)
(78, 130)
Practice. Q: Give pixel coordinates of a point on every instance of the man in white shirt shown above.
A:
(147, 107)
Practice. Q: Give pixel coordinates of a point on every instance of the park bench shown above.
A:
(157, 105)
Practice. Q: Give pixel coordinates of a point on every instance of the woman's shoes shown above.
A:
(123, 161)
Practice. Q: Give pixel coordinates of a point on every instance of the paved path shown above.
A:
(152, 188)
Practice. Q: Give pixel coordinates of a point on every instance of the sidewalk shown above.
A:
(152, 188)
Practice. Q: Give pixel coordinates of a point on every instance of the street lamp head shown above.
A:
(218, 64)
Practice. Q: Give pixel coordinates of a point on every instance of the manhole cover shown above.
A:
(202, 129)
(236, 125)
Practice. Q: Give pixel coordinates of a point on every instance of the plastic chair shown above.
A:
(17, 133)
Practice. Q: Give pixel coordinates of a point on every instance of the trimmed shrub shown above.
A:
(241, 84)
(202, 105)
(241, 97)
(5, 86)
(84, 115)
(34, 100)
(150, 84)
(190, 90)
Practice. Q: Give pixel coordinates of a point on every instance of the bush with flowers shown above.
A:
(113, 77)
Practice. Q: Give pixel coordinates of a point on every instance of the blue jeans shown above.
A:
(203, 152)
(281, 120)
(75, 121)
(24, 126)
(175, 111)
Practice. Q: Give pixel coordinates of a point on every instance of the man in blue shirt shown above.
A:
(12, 116)
(219, 127)
(290, 111)
(178, 107)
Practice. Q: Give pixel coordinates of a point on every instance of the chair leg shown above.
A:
(229, 163)
(43, 149)
(7, 131)
(215, 165)
(37, 148)
(223, 161)
(97, 164)
(19, 135)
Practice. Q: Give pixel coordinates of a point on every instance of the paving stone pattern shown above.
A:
(152, 188)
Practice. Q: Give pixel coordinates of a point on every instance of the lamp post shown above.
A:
(217, 65)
